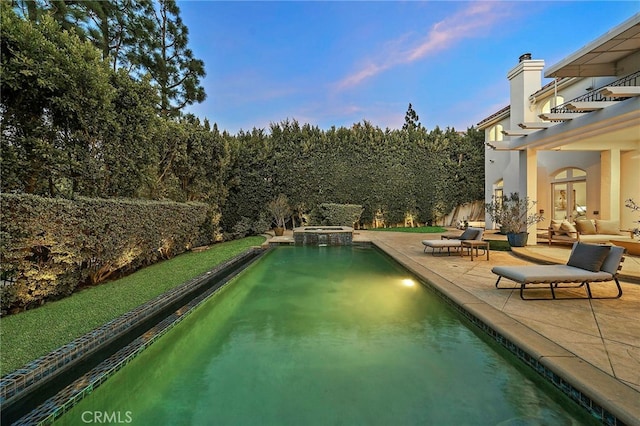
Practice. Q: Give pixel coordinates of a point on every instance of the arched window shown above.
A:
(495, 134)
(569, 189)
(546, 107)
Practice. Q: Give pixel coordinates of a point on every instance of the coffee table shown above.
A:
(471, 244)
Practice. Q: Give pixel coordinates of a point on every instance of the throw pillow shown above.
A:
(568, 228)
(608, 227)
(555, 225)
(588, 256)
(469, 234)
(586, 227)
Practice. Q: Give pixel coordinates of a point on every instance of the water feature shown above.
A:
(323, 235)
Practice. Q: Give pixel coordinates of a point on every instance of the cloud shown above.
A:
(471, 22)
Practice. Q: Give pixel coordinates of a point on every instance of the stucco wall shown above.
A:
(630, 188)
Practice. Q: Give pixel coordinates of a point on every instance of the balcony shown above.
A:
(596, 99)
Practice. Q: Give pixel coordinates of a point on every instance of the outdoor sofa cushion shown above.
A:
(568, 228)
(586, 227)
(608, 226)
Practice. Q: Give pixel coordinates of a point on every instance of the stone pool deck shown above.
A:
(594, 344)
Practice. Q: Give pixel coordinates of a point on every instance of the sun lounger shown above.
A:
(588, 263)
(454, 242)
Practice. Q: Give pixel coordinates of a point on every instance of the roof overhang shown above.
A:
(495, 118)
(618, 125)
(599, 58)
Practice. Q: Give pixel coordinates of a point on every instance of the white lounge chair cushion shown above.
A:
(549, 273)
(442, 243)
(473, 233)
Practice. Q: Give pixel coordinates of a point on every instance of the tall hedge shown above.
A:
(50, 246)
(337, 214)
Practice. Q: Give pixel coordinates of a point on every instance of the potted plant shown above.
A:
(636, 208)
(280, 211)
(513, 214)
(632, 246)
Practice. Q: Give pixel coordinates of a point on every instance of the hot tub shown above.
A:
(323, 236)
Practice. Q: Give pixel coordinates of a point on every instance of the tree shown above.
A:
(172, 65)
(121, 29)
(128, 151)
(411, 120)
(68, 14)
(468, 155)
(55, 99)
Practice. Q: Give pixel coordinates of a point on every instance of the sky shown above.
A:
(336, 63)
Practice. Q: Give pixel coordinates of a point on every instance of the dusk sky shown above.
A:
(337, 63)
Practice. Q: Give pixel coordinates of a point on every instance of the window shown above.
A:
(498, 189)
(495, 134)
(498, 192)
(569, 189)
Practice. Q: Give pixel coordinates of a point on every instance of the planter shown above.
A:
(632, 247)
(517, 239)
(278, 231)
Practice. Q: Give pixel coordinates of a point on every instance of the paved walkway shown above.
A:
(595, 344)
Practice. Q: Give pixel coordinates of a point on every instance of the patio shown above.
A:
(595, 344)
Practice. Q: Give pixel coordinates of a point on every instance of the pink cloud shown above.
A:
(476, 19)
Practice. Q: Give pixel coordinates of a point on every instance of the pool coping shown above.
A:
(606, 398)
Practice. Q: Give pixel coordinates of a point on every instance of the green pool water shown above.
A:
(325, 336)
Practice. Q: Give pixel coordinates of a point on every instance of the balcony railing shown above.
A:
(596, 96)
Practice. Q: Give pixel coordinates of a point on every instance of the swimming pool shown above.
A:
(325, 335)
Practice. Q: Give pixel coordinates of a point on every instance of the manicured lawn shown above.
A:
(418, 230)
(31, 334)
(500, 245)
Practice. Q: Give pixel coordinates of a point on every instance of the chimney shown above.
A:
(524, 80)
(524, 57)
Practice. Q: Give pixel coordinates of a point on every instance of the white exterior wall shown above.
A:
(524, 79)
(630, 188)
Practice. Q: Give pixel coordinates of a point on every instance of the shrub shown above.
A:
(50, 246)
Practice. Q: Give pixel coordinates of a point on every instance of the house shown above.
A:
(573, 144)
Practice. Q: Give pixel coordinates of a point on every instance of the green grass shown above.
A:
(418, 230)
(499, 245)
(33, 333)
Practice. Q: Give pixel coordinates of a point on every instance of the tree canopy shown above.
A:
(91, 103)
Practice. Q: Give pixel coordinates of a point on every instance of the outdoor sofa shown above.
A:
(586, 231)
(448, 241)
(588, 263)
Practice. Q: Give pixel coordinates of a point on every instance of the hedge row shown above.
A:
(50, 246)
(337, 214)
